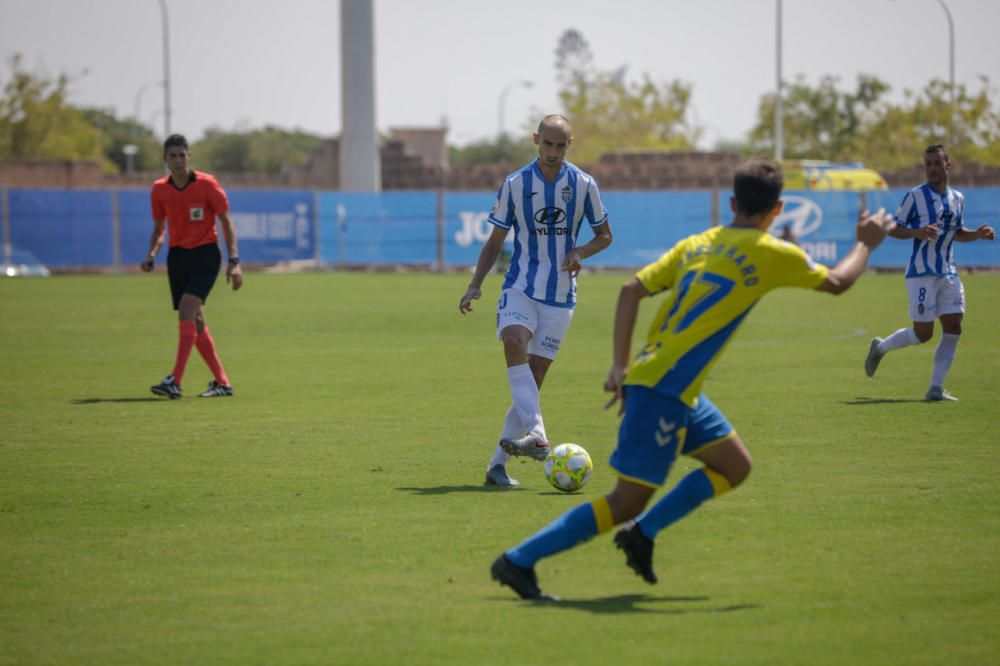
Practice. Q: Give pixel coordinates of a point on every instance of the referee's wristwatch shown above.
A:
(234, 261)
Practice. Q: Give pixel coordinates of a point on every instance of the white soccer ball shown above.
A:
(568, 467)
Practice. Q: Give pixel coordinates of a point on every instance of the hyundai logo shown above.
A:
(802, 215)
(550, 215)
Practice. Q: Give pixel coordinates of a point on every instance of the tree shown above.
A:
(503, 149)
(117, 133)
(36, 119)
(821, 122)
(266, 150)
(610, 113)
(829, 124)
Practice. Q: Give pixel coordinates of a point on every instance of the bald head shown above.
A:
(556, 122)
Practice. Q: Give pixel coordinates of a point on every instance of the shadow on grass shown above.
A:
(641, 603)
(863, 400)
(445, 490)
(95, 401)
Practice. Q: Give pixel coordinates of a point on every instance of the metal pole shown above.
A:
(502, 103)
(5, 218)
(166, 68)
(116, 231)
(951, 72)
(779, 130)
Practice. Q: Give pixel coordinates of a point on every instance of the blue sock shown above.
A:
(573, 527)
(695, 488)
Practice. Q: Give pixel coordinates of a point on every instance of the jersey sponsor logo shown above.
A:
(197, 214)
(550, 215)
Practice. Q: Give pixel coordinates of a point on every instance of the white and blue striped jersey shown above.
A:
(923, 206)
(546, 218)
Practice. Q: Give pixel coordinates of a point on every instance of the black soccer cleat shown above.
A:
(217, 390)
(167, 388)
(521, 580)
(638, 551)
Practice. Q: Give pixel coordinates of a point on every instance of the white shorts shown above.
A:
(547, 323)
(934, 295)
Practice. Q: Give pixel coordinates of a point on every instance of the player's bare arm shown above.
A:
(155, 242)
(626, 313)
(234, 273)
(487, 260)
(573, 260)
(871, 231)
(982, 232)
(928, 233)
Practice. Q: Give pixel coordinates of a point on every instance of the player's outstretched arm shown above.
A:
(487, 260)
(871, 231)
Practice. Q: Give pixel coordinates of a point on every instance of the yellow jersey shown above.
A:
(715, 278)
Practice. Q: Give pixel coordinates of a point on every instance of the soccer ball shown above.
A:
(568, 467)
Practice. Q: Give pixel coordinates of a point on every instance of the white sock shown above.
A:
(524, 392)
(904, 337)
(943, 357)
(512, 428)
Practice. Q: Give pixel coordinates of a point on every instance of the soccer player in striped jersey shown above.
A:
(187, 202)
(713, 280)
(545, 204)
(931, 215)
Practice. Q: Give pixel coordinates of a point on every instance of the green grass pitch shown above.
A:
(333, 511)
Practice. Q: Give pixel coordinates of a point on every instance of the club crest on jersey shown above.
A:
(567, 194)
(197, 214)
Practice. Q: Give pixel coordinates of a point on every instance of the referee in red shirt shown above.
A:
(189, 201)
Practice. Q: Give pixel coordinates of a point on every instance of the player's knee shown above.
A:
(924, 336)
(739, 473)
(625, 506)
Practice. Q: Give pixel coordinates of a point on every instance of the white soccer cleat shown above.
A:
(874, 357)
(939, 393)
(530, 445)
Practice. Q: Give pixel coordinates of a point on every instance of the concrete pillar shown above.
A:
(360, 166)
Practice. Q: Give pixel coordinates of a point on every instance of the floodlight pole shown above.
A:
(502, 104)
(166, 68)
(951, 71)
(779, 130)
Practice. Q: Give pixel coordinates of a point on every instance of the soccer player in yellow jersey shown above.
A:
(713, 280)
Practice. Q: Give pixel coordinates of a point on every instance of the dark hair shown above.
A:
(175, 140)
(757, 185)
(936, 148)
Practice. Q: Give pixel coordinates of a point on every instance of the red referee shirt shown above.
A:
(190, 211)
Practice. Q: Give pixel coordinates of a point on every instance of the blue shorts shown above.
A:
(657, 428)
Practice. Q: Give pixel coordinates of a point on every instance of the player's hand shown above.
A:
(234, 274)
(872, 227)
(572, 262)
(613, 384)
(928, 233)
(471, 294)
(986, 232)
(146, 266)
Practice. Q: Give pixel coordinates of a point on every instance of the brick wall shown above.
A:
(404, 168)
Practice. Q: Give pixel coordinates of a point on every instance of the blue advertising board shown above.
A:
(358, 228)
(76, 228)
(63, 228)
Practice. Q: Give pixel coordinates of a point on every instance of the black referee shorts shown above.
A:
(193, 271)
